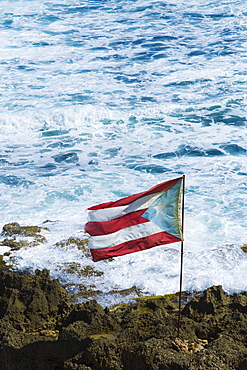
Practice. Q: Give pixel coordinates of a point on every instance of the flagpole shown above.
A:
(181, 262)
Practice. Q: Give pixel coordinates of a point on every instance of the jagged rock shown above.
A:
(31, 302)
(154, 354)
(88, 319)
(41, 330)
(212, 302)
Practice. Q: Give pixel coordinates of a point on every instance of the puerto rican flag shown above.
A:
(137, 222)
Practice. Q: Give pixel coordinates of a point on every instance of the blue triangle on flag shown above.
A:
(164, 212)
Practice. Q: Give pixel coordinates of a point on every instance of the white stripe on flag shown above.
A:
(124, 235)
(107, 214)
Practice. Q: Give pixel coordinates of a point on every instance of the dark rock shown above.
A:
(31, 302)
(88, 319)
(41, 330)
(222, 353)
(153, 354)
(103, 354)
(212, 302)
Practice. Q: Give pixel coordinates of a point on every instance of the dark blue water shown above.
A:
(102, 99)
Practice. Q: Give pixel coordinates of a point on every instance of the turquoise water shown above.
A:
(103, 99)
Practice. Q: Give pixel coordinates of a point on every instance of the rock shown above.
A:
(218, 312)
(40, 329)
(153, 354)
(29, 304)
(222, 353)
(212, 302)
(88, 319)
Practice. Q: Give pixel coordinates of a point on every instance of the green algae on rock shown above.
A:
(82, 292)
(169, 301)
(15, 245)
(16, 236)
(126, 292)
(75, 268)
(81, 244)
(244, 248)
(15, 229)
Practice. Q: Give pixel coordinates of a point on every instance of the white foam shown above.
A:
(49, 65)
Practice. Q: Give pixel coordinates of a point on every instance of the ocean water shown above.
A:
(103, 99)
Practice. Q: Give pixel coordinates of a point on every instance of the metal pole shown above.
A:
(181, 262)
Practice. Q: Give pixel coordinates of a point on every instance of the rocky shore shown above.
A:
(41, 330)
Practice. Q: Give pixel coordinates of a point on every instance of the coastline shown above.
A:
(41, 329)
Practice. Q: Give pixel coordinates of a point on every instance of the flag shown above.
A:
(137, 222)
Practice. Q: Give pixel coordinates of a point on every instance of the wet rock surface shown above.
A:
(41, 330)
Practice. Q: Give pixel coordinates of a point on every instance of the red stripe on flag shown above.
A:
(134, 246)
(108, 227)
(125, 201)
